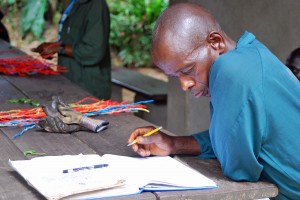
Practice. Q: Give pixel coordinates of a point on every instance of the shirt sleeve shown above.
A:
(238, 146)
(238, 122)
(206, 149)
(93, 46)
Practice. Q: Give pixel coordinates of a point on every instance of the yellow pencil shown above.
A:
(147, 134)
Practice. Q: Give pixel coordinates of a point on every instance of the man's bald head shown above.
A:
(184, 26)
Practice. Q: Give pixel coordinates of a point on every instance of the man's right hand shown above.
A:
(46, 49)
(159, 143)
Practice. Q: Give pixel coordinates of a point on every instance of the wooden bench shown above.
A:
(145, 88)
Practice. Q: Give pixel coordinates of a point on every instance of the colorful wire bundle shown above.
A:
(26, 65)
(28, 117)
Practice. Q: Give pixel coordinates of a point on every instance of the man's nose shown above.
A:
(186, 83)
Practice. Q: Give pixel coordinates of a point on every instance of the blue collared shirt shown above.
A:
(255, 118)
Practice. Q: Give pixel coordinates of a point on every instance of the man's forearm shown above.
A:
(185, 145)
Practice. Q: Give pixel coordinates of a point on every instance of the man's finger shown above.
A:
(148, 139)
(138, 132)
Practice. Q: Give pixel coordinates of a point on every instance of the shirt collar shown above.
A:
(246, 38)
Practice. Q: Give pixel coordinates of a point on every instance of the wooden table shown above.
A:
(113, 141)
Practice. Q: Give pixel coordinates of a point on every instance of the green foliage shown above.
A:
(132, 22)
(32, 18)
(11, 8)
(30, 14)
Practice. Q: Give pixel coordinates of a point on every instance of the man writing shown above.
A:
(255, 100)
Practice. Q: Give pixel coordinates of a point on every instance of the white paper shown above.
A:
(127, 175)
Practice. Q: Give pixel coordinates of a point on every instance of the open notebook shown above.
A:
(121, 175)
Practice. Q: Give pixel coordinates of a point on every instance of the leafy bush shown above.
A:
(32, 18)
(132, 22)
(30, 14)
(11, 8)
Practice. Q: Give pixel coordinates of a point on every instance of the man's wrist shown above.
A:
(185, 145)
(61, 49)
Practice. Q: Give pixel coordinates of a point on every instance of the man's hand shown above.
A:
(157, 144)
(161, 144)
(46, 48)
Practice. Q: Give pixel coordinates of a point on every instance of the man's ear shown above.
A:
(216, 41)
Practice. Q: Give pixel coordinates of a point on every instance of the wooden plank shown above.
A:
(146, 86)
(121, 126)
(8, 91)
(6, 50)
(52, 144)
(228, 189)
(114, 139)
(4, 45)
(60, 144)
(12, 185)
(39, 87)
(142, 196)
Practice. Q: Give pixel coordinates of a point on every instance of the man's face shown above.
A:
(190, 66)
(296, 67)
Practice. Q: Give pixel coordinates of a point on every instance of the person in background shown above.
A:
(255, 102)
(293, 62)
(3, 31)
(83, 39)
